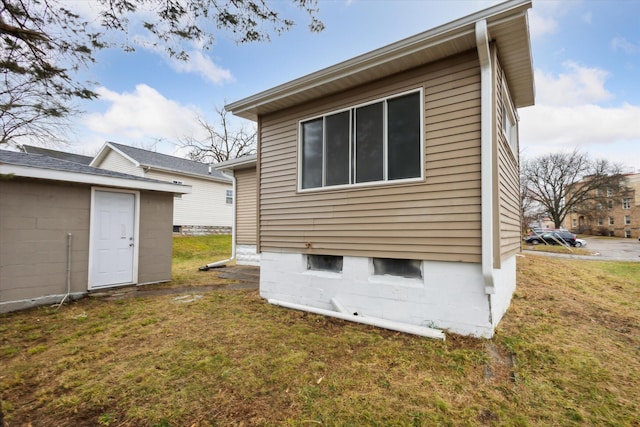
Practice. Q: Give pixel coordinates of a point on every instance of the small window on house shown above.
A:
(509, 121)
(574, 222)
(610, 204)
(611, 222)
(324, 263)
(229, 197)
(627, 234)
(600, 221)
(177, 229)
(627, 219)
(609, 192)
(626, 203)
(409, 268)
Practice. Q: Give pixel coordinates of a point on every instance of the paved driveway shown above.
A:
(604, 248)
(612, 248)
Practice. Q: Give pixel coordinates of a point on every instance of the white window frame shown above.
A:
(510, 133)
(627, 234)
(627, 220)
(611, 221)
(352, 172)
(609, 192)
(626, 203)
(228, 196)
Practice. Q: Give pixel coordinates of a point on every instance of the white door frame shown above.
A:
(136, 234)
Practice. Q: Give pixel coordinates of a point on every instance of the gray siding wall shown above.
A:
(437, 219)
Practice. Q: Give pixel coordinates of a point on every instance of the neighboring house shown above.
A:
(388, 184)
(615, 215)
(68, 228)
(207, 210)
(243, 171)
(62, 155)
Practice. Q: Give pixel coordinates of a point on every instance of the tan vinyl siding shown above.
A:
(435, 219)
(246, 201)
(508, 179)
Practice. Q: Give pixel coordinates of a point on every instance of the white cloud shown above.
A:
(587, 17)
(577, 85)
(140, 116)
(621, 43)
(540, 25)
(200, 64)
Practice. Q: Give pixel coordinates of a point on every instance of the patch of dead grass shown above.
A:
(565, 353)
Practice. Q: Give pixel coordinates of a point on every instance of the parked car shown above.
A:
(555, 237)
(580, 243)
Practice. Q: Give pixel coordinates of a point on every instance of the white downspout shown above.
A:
(233, 230)
(69, 237)
(486, 150)
(372, 321)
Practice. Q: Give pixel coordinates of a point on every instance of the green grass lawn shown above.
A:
(566, 353)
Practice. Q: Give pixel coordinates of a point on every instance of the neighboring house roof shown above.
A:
(71, 157)
(243, 162)
(45, 167)
(151, 160)
(507, 26)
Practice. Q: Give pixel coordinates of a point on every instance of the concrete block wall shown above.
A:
(450, 295)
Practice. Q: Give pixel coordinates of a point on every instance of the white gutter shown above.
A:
(486, 151)
(372, 321)
(233, 230)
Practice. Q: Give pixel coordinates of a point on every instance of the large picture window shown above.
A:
(377, 142)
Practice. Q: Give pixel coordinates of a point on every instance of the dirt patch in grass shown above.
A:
(566, 353)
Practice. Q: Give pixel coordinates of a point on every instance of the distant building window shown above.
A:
(627, 234)
(627, 219)
(409, 268)
(324, 263)
(612, 234)
(626, 203)
(610, 204)
(599, 206)
(600, 221)
(229, 197)
(611, 222)
(376, 142)
(575, 222)
(598, 192)
(609, 192)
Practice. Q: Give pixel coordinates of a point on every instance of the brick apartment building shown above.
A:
(616, 215)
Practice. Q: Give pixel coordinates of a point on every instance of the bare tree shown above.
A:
(565, 182)
(224, 140)
(44, 43)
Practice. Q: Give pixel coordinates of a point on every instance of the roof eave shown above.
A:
(449, 34)
(84, 178)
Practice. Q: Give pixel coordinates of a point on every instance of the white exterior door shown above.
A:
(113, 239)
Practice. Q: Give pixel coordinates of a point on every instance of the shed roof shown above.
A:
(45, 167)
(165, 162)
(243, 162)
(508, 28)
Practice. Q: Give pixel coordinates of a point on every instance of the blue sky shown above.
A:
(586, 56)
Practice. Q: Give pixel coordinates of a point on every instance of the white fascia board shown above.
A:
(237, 163)
(83, 178)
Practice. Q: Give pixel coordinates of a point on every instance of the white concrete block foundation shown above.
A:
(246, 255)
(450, 296)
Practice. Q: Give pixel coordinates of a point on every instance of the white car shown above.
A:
(580, 243)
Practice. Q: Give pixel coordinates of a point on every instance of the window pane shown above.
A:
(337, 149)
(404, 132)
(324, 263)
(397, 267)
(369, 143)
(312, 154)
